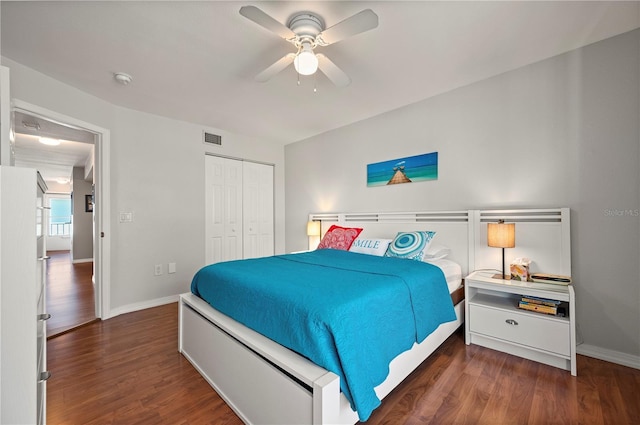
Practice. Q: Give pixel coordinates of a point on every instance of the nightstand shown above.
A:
(494, 320)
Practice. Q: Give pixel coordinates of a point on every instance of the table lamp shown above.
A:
(501, 235)
(313, 229)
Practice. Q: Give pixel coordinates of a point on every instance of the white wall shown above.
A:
(158, 175)
(561, 132)
(157, 172)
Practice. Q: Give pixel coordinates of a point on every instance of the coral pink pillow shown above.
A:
(339, 237)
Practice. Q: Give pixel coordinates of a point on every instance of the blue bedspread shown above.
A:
(348, 313)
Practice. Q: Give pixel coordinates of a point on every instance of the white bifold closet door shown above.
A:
(239, 209)
(257, 210)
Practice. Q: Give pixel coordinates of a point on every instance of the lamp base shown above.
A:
(501, 276)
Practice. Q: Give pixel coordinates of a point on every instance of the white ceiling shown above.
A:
(53, 162)
(195, 61)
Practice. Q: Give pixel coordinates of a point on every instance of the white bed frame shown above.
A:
(266, 383)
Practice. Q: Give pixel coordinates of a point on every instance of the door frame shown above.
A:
(102, 221)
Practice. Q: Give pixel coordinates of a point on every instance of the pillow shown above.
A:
(410, 245)
(436, 252)
(339, 237)
(452, 272)
(370, 246)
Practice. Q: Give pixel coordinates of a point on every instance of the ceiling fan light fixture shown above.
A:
(49, 141)
(306, 62)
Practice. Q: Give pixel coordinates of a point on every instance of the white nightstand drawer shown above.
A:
(521, 328)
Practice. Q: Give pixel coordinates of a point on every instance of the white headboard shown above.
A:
(543, 235)
(451, 227)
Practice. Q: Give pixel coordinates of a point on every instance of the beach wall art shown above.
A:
(411, 169)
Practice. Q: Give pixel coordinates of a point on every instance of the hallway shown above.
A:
(70, 298)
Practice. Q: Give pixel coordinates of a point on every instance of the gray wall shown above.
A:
(82, 243)
(561, 132)
(157, 173)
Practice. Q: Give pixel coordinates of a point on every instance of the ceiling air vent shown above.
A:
(212, 139)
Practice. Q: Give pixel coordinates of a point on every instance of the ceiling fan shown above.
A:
(306, 31)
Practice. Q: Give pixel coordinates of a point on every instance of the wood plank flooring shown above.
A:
(70, 299)
(127, 370)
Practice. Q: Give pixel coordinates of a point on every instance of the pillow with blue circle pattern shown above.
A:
(410, 245)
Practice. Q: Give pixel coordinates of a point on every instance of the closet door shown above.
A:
(257, 209)
(223, 203)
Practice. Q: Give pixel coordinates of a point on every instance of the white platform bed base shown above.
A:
(266, 383)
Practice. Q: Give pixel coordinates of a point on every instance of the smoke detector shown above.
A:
(122, 78)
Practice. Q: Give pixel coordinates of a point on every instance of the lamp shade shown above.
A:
(313, 228)
(501, 235)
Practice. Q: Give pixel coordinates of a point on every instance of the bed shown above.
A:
(348, 312)
(265, 382)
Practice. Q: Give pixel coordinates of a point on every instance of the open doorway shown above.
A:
(74, 171)
(70, 296)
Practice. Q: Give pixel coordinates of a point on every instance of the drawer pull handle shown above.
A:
(44, 316)
(44, 376)
(511, 322)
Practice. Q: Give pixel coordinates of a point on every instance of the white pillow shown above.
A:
(370, 246)
(452, 272)
(436, 252)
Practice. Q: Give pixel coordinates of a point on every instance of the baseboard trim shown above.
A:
(72, 328)
(130, 308)
(612, 356)
(82, 260)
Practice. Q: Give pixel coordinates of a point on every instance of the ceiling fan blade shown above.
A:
(360, 22)
(278, 66)
(333, 73)
(259, 17)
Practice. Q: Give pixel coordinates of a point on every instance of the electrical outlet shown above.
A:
(158, 269)
(126, 217)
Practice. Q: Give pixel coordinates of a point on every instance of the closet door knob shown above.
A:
(44, 316)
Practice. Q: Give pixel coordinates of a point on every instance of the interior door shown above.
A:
(223, 206)
(257, 211)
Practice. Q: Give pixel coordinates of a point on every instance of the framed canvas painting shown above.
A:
(410, 169)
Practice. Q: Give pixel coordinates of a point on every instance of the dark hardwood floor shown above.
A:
(70, 299)
(127, 370)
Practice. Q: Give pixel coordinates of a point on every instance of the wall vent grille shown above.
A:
(212, 139)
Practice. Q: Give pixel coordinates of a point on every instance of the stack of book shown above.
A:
(540, 305)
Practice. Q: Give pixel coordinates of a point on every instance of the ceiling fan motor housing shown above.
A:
(306, 26)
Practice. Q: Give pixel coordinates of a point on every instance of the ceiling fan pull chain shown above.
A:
(315, 81)
(298, 77)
